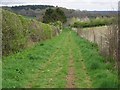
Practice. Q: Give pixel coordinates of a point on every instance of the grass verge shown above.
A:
(101, 76)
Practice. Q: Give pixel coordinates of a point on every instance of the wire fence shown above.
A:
(106, 38)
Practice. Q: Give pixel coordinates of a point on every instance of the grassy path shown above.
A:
(82, 77)
(57, 63)
(71, 69)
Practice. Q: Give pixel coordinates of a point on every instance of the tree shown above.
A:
(60, 15)
(53, 15)
(48, 16)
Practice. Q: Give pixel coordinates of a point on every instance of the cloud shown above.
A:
(71, 4)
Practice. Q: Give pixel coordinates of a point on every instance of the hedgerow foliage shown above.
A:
(18, 31)
(93, 22)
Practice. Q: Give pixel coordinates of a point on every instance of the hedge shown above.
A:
(18, 31)
(93, 23)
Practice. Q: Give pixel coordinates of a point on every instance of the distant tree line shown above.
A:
(39, 10)
(33, 7)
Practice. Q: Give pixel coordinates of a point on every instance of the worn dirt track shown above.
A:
(64, 75)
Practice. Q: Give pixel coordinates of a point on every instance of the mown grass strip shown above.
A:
(59, 76)
(45, 74)
(81, 76)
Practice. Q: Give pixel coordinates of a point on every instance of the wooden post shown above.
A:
(94, 36)
(101, 44)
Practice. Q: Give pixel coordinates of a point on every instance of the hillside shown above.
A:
(37, 11)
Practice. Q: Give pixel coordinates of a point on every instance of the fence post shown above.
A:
(94, 36)
(101, 43)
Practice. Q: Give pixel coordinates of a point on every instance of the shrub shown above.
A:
(93, 23)
(18, 31)
(53, 15)
(13, 35)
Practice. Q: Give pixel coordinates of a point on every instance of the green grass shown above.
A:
(46, 65)
(19, 67)
(101, 76)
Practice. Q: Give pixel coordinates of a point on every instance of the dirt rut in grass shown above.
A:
(71, 75)
(44, 67)
(71, 71)
(72, 81)
(30, 85)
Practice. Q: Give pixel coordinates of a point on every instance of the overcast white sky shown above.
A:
(70, 4)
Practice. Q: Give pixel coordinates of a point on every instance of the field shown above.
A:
(65, 61)
(58, 51)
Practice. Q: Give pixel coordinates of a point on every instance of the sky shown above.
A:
(98, 5)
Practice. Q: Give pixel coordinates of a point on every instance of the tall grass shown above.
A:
(102, 73)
